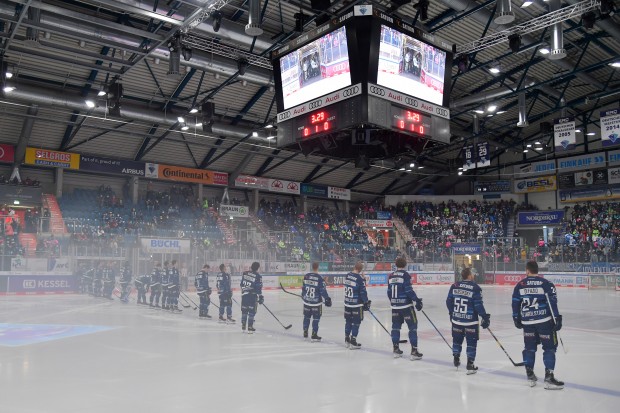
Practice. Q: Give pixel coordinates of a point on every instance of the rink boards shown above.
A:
(39, 283)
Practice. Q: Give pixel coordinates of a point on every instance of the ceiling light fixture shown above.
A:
(479, 111)
(181, 119)
(255, 134)
(90, 104)
(193, 110)
(8, 75)
(577, 130)
(460, 172)
(615, 64)
(591, 133)
(543, 50)
(525, 150)
(411, 165)
(526, 3)
(529, 145)
(102, 93)
(491, 108)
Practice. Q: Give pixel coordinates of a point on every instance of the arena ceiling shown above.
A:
(61, 53)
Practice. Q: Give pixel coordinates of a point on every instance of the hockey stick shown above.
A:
(436, 329)
(233, 298)
(274, 316)
(554, 322)
(288, 292)
(187, 299)
(375, 317)
(186, 304)
(505, 352)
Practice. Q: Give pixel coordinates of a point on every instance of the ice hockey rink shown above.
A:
(76, 353)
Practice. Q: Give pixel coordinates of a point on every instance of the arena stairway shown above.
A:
(57, 223)
(510, 228)
(405, 234)
(29, 243)
(222, 224)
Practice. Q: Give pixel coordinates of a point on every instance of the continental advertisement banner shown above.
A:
(182, 174)
(535, 184)
(55, 159)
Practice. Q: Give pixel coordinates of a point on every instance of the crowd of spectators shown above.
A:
(16, 181)
(9, 230)
(591, 233)
(435, 226)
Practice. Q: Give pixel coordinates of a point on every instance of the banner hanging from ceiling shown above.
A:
(564, 134)
(610, 127)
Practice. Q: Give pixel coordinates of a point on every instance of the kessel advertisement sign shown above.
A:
(540, 184)
(236, 211)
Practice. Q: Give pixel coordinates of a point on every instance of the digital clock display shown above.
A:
(411, 121)
(316, 123)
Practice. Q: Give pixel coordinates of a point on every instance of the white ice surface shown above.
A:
(154, 361)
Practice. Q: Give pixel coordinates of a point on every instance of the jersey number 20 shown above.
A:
(348, 292)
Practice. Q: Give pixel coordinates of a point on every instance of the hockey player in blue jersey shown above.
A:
(155, 286)
(251, 296)
(465, 306)
(402, 299)
(355, 302)
(201, 282)
(174, 288)
(125, 282)
(109, 280)
(165, 283)
(534, 308)
(224, 290)
(142, 285)
(313, 293)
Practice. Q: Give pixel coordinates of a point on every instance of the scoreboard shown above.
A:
(369, 74)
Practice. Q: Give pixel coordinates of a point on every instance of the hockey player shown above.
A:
(142, 285)
(224, 290)
(109, 280)
(402, 298)
(165, 283)
(251, 296)
(98, 280)
(125, 282)
(465, 305)
(174, 289)
(155, 286)
(313, 293)
(534, 307)
(355, 302)
(201, 282)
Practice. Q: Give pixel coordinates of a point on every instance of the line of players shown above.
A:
(534, 309)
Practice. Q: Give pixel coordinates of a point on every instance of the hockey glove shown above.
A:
(486, 321)
(328, 302)
(418, 304)
(517, 321)
(367, 305)
(558, 323)
(261, 299)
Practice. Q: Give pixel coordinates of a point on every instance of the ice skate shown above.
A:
(471, 368)
(398, 353)
(415, 354)
(531, 377)
(551, 383)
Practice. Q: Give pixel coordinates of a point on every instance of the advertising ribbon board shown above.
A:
(317, 191)
(7, 153)
(378, 223)
(535, 168)
(541, 217)
(111, 166)
(165, 245)
(535, 184)
(462, 249)
(236, 211)
(595, 160)
(56, 159)
(198, 176)
(338, 193)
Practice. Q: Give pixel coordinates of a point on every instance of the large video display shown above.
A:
(318, 68)
(411, 66)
